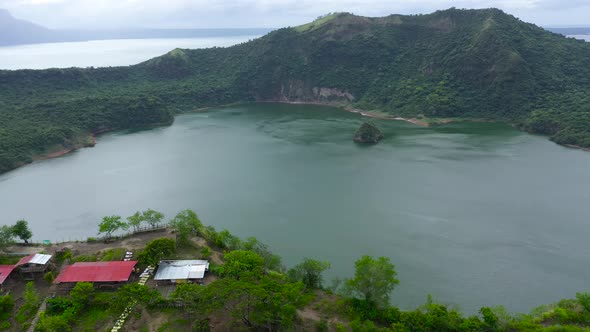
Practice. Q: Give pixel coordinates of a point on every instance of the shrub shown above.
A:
(82, 294)
(29, 308)
(91, 239)
(584, 300)
(5, 325)
(6, 306)
(321, 326)
(58, 305)
(62, 255)
(206, 252)
(53, 323)
(49, 277)
(112, 254)
(340, 328)
(156, 250)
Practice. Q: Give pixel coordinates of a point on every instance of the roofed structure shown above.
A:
(101, 272)
(33, 265)
(182, 270)
(5, 271)
(39, 259)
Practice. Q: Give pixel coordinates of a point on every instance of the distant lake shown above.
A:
(101, 53)
(104, 53)
(584, 37)
(476, 214)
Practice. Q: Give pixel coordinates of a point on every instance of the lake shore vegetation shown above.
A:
(249, 288)
(451, 64)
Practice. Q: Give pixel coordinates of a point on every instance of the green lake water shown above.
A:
(476, 214)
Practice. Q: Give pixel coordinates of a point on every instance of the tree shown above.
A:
(135, 220)
(82, 294)
(135, 292)
(6, 236)
(22, 231)
(186, 223)
(242, 263)
(268, 304)
(190, 294)
(271, 261)
(374, 280)
(152, 217)
(584, 300)
(195, 310)
(227, 240)
(111, 224)
(309, 272)
(156, 250)
(489, 318)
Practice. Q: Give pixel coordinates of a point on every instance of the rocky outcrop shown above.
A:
(296, 91)
(368, 133)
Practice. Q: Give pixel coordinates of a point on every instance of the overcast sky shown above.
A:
(267, 13)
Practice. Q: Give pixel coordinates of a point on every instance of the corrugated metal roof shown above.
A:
(40, 259)
(5, 271)
(181, 270)
(97, 272)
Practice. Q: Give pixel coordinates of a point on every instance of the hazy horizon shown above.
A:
(188, 14)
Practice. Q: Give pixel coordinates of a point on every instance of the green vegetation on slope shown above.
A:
(249, 289)
(481, 64)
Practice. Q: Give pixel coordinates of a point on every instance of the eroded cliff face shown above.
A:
(300, 92)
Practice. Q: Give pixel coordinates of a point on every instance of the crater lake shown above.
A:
(476, 214)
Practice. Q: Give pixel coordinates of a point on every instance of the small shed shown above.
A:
(5, 271)
(32, 265)
(102, 274)
(181, 271)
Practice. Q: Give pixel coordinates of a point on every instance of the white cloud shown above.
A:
(266, 13)
(39, 2)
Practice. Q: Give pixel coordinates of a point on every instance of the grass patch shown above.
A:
(85, 258)
(317, 23)
(175, 324)
(115, 254)
(93, 320)
(9, 260)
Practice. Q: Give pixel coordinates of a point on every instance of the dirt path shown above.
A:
(132, 242)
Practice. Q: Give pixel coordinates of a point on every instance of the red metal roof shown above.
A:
(25, 260)
(96, 272)
(5, 271)
(41, 259)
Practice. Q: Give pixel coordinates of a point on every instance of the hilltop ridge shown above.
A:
(481, 64)
(15, 31)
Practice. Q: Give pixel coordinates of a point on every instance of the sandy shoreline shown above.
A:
(65, 151)
(358, 111)
(385, 117)
(572, 146)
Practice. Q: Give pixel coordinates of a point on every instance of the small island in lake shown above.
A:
(368, 133)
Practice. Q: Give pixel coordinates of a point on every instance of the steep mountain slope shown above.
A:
(15, 32)
(20, 32)
(451, 63)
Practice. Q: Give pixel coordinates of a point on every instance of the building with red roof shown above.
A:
(102, 274)
(33, 265)
(37, 259)
(5, 271)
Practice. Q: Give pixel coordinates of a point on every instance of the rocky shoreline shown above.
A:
(64, 151)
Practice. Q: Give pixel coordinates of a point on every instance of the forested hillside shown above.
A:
(482, 64)
(246, 288)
